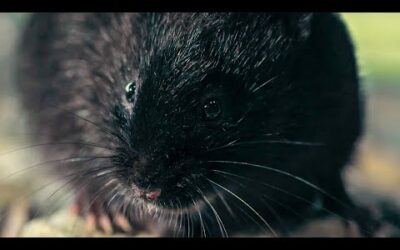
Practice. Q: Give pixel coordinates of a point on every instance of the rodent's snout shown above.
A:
(147, 194)
(152, 177)
(153, 195)
(142, 185)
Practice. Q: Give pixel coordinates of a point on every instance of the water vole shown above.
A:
(207, 124)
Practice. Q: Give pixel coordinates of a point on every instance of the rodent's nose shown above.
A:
(152, 195)
(148, 194)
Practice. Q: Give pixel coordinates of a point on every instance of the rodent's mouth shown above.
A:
(176, 205)
(189, 208)
(156, 198)
(169, 203)
(169, 193)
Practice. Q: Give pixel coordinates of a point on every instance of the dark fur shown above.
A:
(81, 63)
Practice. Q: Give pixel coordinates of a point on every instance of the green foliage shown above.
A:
(377, 40)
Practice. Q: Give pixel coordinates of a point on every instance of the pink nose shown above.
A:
(153, 195)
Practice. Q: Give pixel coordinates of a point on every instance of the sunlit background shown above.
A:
(375, 172)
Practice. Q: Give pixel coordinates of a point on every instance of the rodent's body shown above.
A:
(284, 95)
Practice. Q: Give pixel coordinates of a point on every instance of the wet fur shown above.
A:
(289, 80)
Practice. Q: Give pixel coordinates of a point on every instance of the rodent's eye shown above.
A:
(130, 90)
(212, 109)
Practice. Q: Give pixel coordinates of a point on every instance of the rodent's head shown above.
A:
(186, 101)
(201, 82)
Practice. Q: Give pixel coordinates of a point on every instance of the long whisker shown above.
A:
(282, 205)
(52, 144)
(235, 143)
(286, 174)
(182, 221)
(96, 195)
(221, 197)
(276, 188)
(113, 193)
(247, 205)
(44, 164)
(263, 85)
(203, 231)
(273, 211)
(252, 219)
(288, 193)
(288, 142)
(103, 190)
(101, 128)
(75, 177)
(219, 221)
(189, 224)
(24, 197)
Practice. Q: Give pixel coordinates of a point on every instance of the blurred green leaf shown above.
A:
(377, 40)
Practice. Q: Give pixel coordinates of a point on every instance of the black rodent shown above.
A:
(220, 123)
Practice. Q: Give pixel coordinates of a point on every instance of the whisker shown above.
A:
(96, 195)
(44, 164)
(286, 174)
(234, 143)
(278, 189)
(273, 211)
(221, 197)
(75, 177)
(192, 225)
(203, 231)
(187, 228)
(114, 193)
(282, 205)
(288, 193)
(219, 221)
(263, 85)
(288, 142)
(87, 120)
(246, 204)
(252, 219)
(52, 144)
(27, 196)
(180, 217)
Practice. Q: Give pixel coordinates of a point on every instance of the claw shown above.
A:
(123, 223)
(97, 219)
(90, 220)
(105, 224)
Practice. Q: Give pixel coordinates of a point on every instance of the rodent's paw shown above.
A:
(122, 223)
(100, 222)
(97, 219)
(105, 223)
(364, 222)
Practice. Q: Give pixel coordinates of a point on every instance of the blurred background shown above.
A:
(375, 173)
